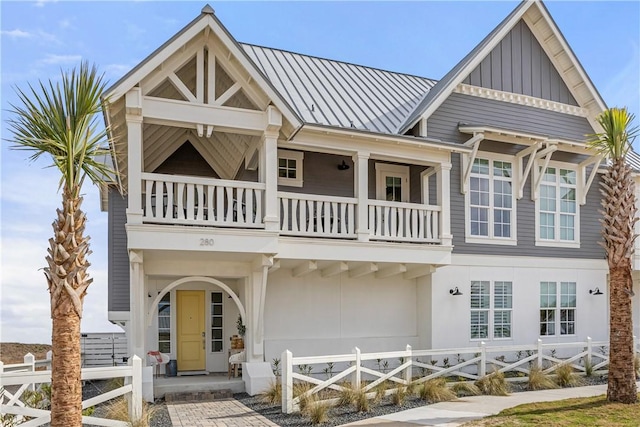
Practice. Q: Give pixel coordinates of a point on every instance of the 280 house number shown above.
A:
(206, 242)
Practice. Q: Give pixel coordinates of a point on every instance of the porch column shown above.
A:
(443, 172)
(134, 155)
(137, 306)
(361, 191)
(269, 168)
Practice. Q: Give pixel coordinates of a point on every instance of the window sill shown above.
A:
(557, 244)
(491, 241)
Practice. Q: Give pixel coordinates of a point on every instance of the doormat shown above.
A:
(190, 373)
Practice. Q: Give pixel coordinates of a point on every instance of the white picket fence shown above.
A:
(417, 366)
(23, 376)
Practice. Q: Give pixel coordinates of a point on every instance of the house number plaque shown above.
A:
(206, 242)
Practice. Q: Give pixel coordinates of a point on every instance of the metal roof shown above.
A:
(633, 160)
(335, 93)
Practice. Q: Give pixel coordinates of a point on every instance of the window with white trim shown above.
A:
(290, 168)
(558, 215)
(557, 308)
(164, 324)
(216, 322)
(491, 308)
(491, 201)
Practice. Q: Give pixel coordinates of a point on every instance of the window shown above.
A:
(557, 319)
(164, 324)
(392, 182)
(557, 207)
(491, 317)
(491, 201)
(290, 168)
(216, 322)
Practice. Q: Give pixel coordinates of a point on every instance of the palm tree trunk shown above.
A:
(68, 280)
(622, 378)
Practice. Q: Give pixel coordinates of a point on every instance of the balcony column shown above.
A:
(361, 191)
(443, 172)
(137, 306)
(269, 168)
(134, 155)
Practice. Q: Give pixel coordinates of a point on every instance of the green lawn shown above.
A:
(590, 411)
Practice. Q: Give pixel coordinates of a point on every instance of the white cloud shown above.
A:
(42, 3)
(16, 34)
(117, 69)
(53, 59)
(64, 23)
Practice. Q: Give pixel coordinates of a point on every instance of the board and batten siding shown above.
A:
(526, 223)
(518, 64)
(458, 108)
(118, 258)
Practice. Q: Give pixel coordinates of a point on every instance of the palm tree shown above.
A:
(60, 120)
(619, 217)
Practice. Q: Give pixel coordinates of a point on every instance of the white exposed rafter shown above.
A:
(363, 270)
(334, 269)
(467, 160)
(305, 268)
(416, 272)
(392, 270)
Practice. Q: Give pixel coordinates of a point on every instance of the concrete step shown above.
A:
(197, 396)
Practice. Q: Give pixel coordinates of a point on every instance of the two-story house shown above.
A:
(333, 205)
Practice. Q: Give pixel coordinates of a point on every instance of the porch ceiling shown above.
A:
(224, 152)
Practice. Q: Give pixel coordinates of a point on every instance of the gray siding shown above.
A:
(518, 64)
(186, 161)
(458, 108)
(118, 255)
(526, 223)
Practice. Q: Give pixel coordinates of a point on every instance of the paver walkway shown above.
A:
(232, 413)
(219, 413)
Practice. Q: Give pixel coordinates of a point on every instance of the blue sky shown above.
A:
(427, 38)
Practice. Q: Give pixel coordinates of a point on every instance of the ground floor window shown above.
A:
(557, 308)
(491, 306)
(164, 324)
(216, 322)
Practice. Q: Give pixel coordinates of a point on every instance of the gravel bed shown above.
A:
(344, 415)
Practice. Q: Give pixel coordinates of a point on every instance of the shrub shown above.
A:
(273, 394)
(466, 388)
(538, 380)
(565, 377)
(360, 400)
(381, 390)
(118, 409)
(346, 396)
(493, 384)
(436, 390)
(316, 411)
(588, 368)
(400, 395)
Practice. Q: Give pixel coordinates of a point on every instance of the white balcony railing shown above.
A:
(314, 215)
(190, 200)
(407, 222)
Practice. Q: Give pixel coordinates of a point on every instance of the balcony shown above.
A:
(194, 201)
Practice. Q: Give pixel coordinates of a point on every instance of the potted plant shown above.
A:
(237, 341)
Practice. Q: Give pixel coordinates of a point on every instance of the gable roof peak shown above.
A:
(208, 10)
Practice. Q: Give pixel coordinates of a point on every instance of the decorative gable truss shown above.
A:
(539, 149)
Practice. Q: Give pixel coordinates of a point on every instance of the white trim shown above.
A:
(383, 170)
(519, 99)
(491, 240)
(298, 156)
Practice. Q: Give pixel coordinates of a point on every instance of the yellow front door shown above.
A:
(191, 336)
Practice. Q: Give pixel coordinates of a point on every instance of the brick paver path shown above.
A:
(219, 413)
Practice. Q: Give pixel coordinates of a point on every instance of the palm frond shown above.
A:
(61, 120)
(617, 136)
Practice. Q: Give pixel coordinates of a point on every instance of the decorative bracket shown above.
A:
(582, 173)
(467, 160)
(539, 173)
(521, 175)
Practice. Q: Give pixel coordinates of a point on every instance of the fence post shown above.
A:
(30, 359)
(483, 359)
(357, 382)
(588, 361)
(287, 382)
(540, 353)
(49, 359)
(1, 386)
(135, 403)
(408, 371)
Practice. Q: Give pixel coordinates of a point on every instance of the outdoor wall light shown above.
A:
(595, 291)
(343, 166)
(455, 291)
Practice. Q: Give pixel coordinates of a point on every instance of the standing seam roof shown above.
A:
(341, 94)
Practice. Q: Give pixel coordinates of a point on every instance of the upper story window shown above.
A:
(490, 201)
(557, 208)
(290, 168)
